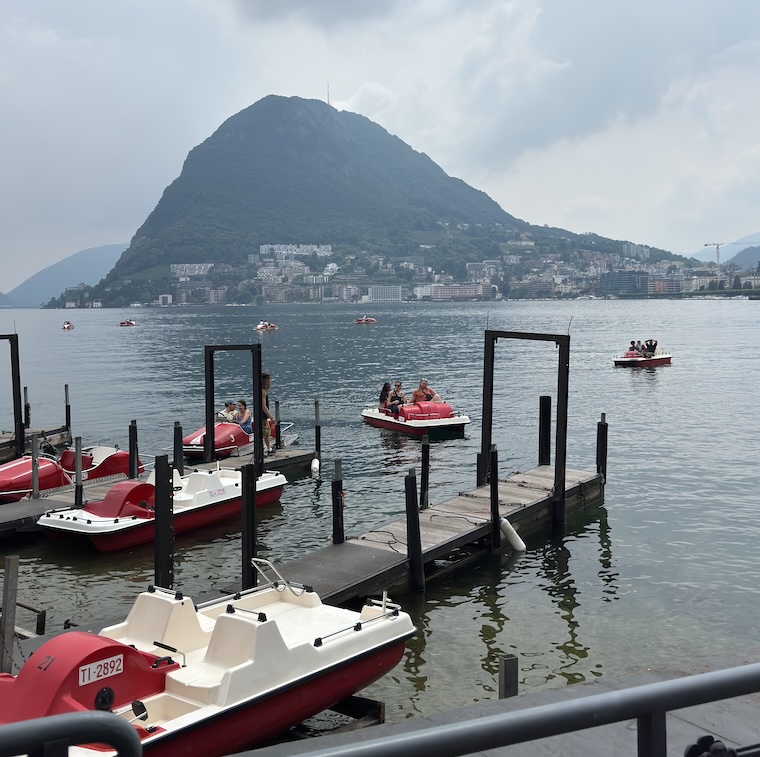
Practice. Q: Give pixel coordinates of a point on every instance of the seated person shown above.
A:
(425, 393)
(245, 418)
(650, 346)
(230, 412)
(385, 393)
(397, 398)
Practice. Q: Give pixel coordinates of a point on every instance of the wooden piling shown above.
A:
(164, 535)
(8, 618)
(413, 538)
(339, 535)
(601, 447)
(249, 575)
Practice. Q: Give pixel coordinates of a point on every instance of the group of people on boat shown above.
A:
(393, 399)
(647, 349)
(240, 414)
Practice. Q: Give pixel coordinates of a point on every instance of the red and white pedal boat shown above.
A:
(418, 419)
(125, 517)
(366, 319)
(230, 440)
(634, 359)
(215, 679)
(98, 463)
(265, 326)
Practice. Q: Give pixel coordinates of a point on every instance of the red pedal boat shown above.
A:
(97, 463)
(214, 679)
(634, 359)
(366, 319)
(418, 419)
(125, 517)
(231, 441)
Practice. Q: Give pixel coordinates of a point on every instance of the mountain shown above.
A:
(289, 170)
(728, 250)
(87, 266)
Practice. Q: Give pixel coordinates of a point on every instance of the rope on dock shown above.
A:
(389, 542)
(487, 498)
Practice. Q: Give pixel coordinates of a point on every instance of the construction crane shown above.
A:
(717, 246)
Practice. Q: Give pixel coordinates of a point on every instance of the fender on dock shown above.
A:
(512, 536)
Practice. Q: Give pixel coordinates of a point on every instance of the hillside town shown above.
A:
(318, 273)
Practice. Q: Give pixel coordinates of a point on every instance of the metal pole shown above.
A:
(601, 447)
(277, 426)
(8, 618)
(339, 535)
(413, 539)
(133, 459)
(494, 491)
(78, 483)
(27, 409)
(425, 473)
(257, 408)
(248, 512)
(164, 536)
(179, 458)
(544, 430)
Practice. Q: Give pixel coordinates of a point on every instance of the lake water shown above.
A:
(667, 570)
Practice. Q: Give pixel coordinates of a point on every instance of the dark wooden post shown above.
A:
(133, 455)
(8, 617)
(425, 473)
(179, 457)
(248, 484)
(164, 537)
(559, 505)
(494, 491)
(208, 378)
(413, 539)
(338, 536)
(508, 676)
(601, 448)
(27, 409)
(486, 431)
(317, 433)
(277, 426)
(544, 430)
(35, 467)
(79, 484)
(67, 407)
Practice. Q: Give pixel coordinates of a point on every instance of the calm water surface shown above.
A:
(668, 569)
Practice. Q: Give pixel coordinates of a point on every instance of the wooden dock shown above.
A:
(379, 559)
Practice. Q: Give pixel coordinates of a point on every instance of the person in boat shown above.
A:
(639, 347)
(425, 393)
(230, 412)
(244, 417)
(266, 382)
(650, 347)
(397, 398)
(384, 402)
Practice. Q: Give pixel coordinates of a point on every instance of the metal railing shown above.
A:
(648, 705)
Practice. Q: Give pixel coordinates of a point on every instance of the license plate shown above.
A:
(96, 671)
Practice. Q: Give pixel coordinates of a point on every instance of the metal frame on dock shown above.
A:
(560, 447)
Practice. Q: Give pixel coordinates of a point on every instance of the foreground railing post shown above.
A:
(164, 538)
(133, 464)
(179, 454)
(339, 535)
(425, 473)
(249, 575)
(413, 539)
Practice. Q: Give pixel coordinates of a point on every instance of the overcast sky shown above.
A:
(637, 121)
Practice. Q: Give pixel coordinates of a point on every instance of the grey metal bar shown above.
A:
(18, 419)
(413, 537)
(493, 467)
(277, 426)
(505, 729)
(163, 544)
(208, 378)
(78, 483)
(544, 430)
(33, 736)
(559, 506)
(317, 433)
(601, 448)
(487, 428)
(425, 473)
(179, 458)
(338, 534)
(35, 467)
(27, 409)
(67, 407)
(134, 467)
(248, 530)
(257, 408)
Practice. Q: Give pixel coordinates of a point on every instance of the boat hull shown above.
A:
(125, 517)
(422, 419)
(636, 361)
(229, 440)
